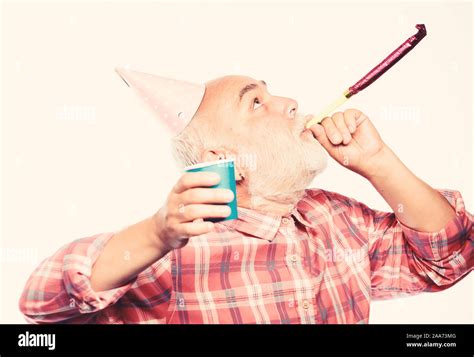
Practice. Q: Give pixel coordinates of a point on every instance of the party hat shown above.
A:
(174, 102)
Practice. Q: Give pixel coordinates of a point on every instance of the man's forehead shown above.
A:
(230, 89)
(223, 97)
(234, 83)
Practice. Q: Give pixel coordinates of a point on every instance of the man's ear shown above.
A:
(211, 155)
(218, 154)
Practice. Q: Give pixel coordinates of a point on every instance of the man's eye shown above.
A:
(256, 104)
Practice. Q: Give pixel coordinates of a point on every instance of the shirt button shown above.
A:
(285, 220)
(294, 258)
(306, 304)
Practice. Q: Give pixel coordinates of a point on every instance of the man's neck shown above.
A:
(279, 204)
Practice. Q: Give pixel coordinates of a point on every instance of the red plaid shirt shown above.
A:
(323, 263)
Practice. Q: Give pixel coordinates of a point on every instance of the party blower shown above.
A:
(373, 75)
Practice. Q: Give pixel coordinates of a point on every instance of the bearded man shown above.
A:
(294, 255)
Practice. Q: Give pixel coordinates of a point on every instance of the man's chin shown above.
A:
(306, 177)
(317, 161)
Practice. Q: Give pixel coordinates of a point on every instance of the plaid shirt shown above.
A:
(323, 263)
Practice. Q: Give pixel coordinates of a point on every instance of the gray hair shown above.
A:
(188, 146)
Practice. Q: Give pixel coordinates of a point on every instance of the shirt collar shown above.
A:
(262, 224)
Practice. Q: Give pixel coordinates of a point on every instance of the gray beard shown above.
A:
(281, 189)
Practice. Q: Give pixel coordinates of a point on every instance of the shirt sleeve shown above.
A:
(59, 289)
(405, 261)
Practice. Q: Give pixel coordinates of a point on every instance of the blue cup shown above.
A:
(225, 169)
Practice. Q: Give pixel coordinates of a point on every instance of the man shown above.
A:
(294, 255)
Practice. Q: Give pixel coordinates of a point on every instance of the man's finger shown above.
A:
(340, 123)
(196, 179)
(358, 116)
(350, 122)
(320, 135)
(195, 228)
(207, 195)
(191, 212)
(332, 132)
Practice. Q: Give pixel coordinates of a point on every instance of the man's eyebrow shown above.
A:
(248, 88)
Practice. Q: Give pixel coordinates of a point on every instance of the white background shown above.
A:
(81, 155)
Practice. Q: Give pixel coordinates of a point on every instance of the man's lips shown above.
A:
(308, 118)
(306, 132)
(304, 129)
(301, 121)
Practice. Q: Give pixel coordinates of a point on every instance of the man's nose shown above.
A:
(287, 106)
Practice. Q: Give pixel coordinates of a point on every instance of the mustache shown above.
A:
(300, 123)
